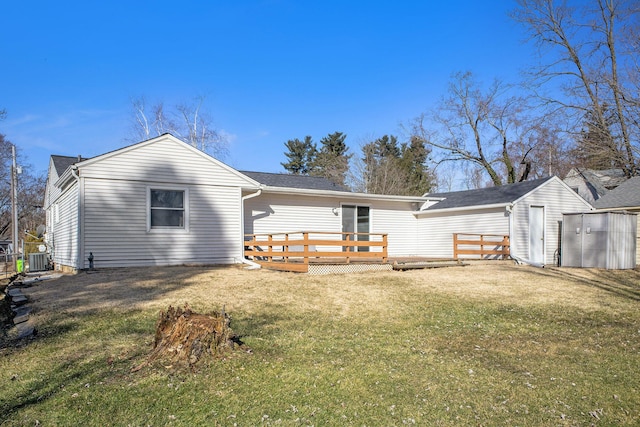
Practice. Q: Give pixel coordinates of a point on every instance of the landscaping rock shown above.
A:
(19, 300)
(24, 330)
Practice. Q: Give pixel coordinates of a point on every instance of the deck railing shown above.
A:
(482, 245)
(303, 246)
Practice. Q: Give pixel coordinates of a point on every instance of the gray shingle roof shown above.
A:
(61, 163)
(626, 194)
(294, 181)
(486, 196)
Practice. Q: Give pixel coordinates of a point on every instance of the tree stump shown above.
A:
(187, 338)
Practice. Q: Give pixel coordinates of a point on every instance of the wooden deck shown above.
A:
(294, 251)
(306, 251)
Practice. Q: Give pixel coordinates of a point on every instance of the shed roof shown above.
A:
(626, 194)
(486, 196)
(294, 181)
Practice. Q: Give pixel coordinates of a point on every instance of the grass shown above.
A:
(481, 345)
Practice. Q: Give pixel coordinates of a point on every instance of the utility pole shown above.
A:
(14, 207)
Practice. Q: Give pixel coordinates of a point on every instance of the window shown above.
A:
(167, 208)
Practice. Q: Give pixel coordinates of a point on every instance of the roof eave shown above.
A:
(427, 212)
(343, 194)
(619, 208)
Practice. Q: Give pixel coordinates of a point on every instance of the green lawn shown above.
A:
(480, 345)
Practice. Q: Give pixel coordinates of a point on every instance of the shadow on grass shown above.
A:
(623, 283)
(58, 379)
(90, 293)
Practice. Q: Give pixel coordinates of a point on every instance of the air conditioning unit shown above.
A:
(38, 262)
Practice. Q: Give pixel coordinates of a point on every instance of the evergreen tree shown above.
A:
(392, 168)
(332, 160)
(301, 155)
(413, 161)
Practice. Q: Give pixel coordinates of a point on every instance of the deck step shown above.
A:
(423, 265)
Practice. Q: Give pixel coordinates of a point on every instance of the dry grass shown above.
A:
(487, 344)
(239, 289)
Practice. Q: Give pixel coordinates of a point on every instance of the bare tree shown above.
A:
(588, 54)
(189, 122)
(483, 128)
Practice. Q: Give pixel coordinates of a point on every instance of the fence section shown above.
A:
(481, 246)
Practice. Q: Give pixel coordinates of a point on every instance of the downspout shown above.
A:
(80, 255)
(251, 265)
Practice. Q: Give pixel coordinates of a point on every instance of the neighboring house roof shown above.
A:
(626, 194)
(593, 184)
(503, 194)
(294, 181)
(61, 163)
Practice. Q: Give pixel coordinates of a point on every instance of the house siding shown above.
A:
(213, 234)
(556, 200)
(163, 160)
(435, 231)
(62, 235)
(400, 224)
(105, 211)
(280, 213)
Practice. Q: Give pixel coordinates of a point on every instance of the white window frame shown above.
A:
(182, 229)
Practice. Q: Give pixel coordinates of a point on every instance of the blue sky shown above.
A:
(271, 70)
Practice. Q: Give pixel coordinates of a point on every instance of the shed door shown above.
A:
(536, 234)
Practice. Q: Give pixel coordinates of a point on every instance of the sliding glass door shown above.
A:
(356, 219)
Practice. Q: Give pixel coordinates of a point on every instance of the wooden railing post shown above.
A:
(305, 242)
(348, 248)
(506, 247)
(270, 246)
(285, 248)
(455, 246)
(385, 253)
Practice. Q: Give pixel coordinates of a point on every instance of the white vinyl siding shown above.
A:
(163, 161)
(398, 222)
(435, 231)
(280, 213)
(108, 204)
(556, 200)
(62, 233)
(120, 238)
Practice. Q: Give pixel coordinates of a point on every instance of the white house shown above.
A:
(159, 202)
(162, 202)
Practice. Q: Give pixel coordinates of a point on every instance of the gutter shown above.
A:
(462, 208)
(251, 265)
(346, 194)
